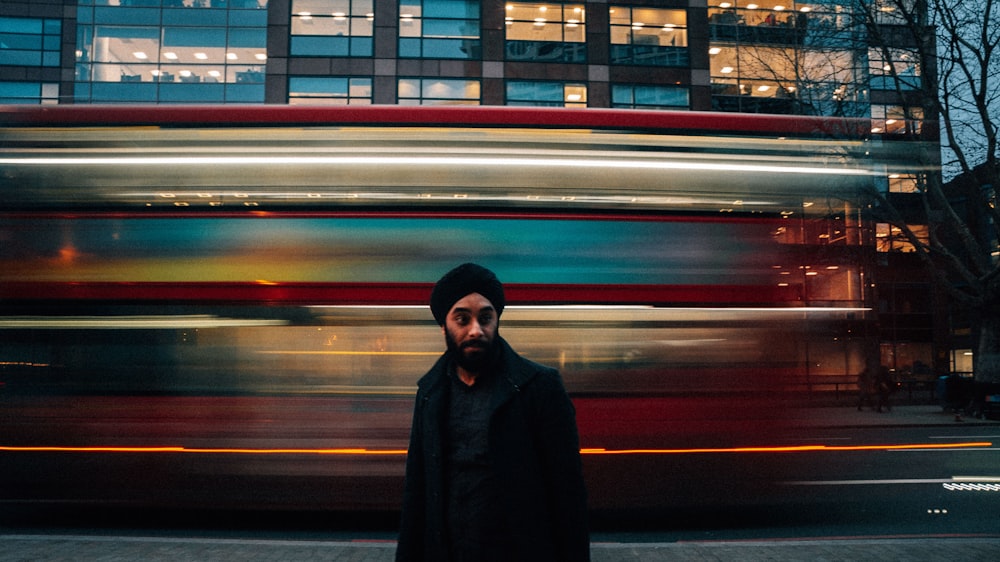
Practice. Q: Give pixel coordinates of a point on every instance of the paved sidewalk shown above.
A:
(849, 416)
(108, 548)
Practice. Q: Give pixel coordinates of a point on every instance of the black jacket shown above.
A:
(535, 453)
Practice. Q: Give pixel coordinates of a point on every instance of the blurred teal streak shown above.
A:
(392, 249)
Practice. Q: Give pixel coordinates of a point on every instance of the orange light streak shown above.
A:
(238, 451)
(585, 451)
(787, 449)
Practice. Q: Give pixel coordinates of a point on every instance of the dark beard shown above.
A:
(479, 362)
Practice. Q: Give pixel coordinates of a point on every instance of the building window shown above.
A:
(892, 12)
(552, 32)
(648, 36)
(332, 28)
(897, 120)
(329, 90)
(904, 183)
(890, 69)
(30, 41)
(772, 22)
(548, 94)
(890, 238)
(440, 29)
(29, 93)
(438, 91)
(638, 96)
(184, 52)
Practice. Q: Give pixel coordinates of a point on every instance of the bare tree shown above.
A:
(955, 44)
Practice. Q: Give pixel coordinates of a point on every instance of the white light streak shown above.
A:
(131, 322)
(467, 161)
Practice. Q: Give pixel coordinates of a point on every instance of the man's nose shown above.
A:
(475, 328)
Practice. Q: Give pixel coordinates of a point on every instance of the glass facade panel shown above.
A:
(551, 32)
(329, 90)
(193, 56)
(438, 91)
(447, 29)
(637, 96)
(332, 28)
(648, 36)
(29, 93)
(890, 69)
(29, 41)
(548, 94)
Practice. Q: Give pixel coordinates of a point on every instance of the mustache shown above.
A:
(474, 344)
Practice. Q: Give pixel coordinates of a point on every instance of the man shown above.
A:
(493, 471)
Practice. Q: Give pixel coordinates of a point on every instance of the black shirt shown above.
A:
(473, 524)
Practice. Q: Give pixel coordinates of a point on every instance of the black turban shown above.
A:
(464, 280)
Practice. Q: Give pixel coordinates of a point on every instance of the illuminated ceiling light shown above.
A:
(715, 50)
(832, 267)
(305, 15)
(201, 56)
(763, 88)
(726, 5)
(876, 129)
(573, 97)
(340, 16)
(170, 55)
(539, 21)
(543, 8)
(140, 55)
(752, 6)
(260, 56)
(779, 8)
(812, 273)
(637, 25)
(232, 56)
(185, 73)
(805, 9)
(890, 121)
(214, 73)
(726, 69)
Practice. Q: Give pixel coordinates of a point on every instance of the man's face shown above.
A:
(470, 331)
